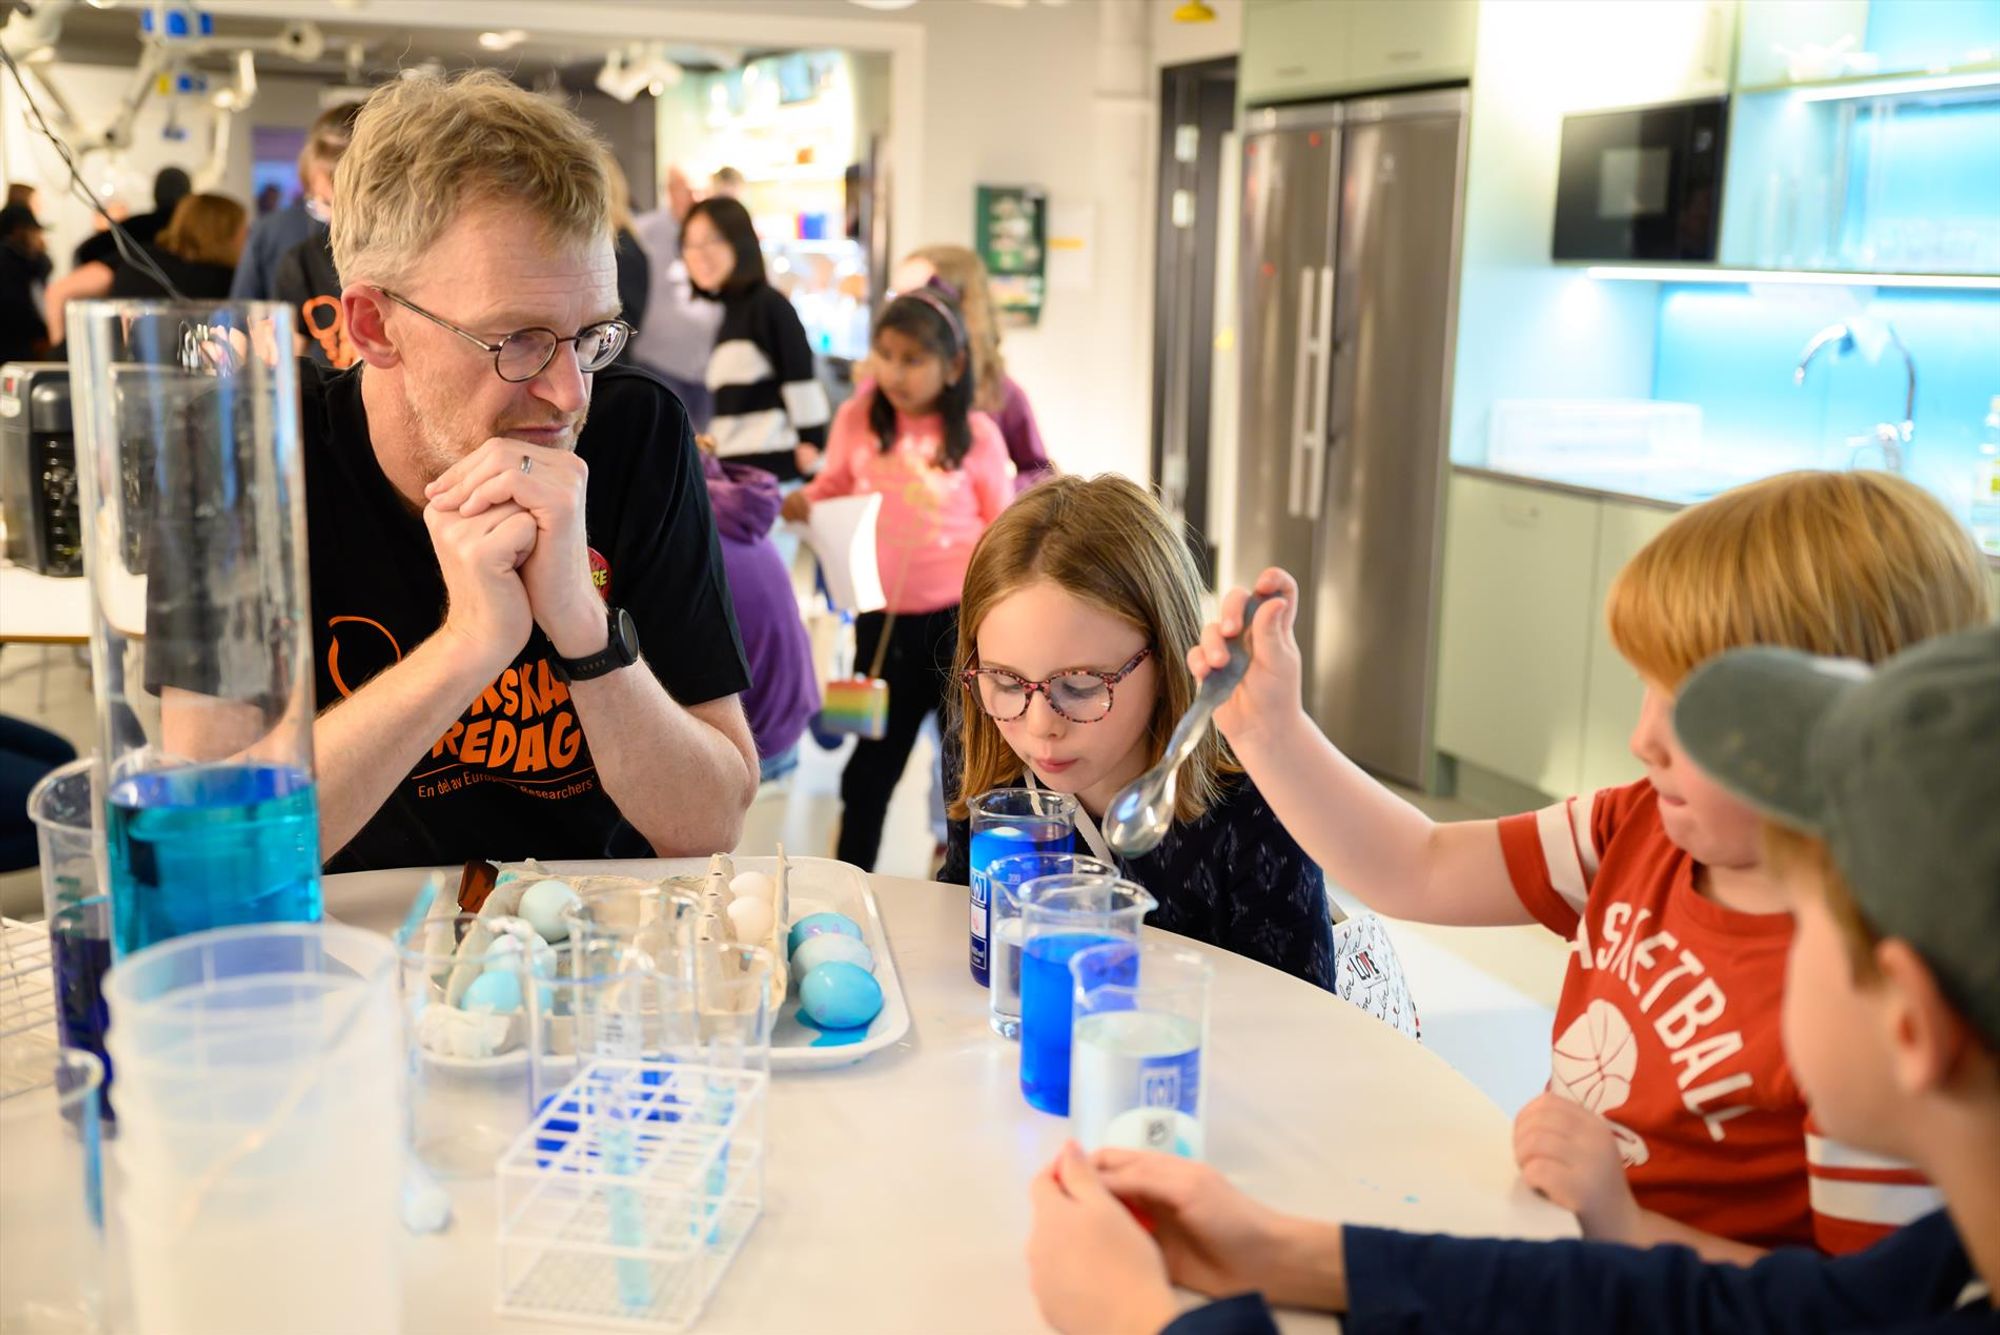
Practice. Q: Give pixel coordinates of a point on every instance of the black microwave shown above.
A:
(1643, 184)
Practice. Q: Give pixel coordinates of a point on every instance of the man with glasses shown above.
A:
(523, 631)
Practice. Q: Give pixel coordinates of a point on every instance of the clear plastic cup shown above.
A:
(1004, 822)
(1061, 915)
(1137, 1075)
(61, 806)
(54, 1270)
(260, 1083)
(632, 959)
(476, 995)
(1005, 877)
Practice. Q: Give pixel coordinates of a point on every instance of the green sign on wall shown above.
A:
(1012, 226)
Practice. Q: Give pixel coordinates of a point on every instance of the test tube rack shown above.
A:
(624, 1202)
(27, 1007)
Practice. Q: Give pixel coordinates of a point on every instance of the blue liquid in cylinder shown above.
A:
(81, 958)
(211, 846)
(1029, 834)
(1046, 991)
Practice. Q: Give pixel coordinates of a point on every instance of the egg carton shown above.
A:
(626, 1200)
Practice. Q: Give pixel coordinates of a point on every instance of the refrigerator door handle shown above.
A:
(1317, 442)
(1301, 371)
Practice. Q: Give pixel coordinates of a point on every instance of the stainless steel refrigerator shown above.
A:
(1348, 279)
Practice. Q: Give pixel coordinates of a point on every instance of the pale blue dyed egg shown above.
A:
(819, 924)
(505, 951)
(496, 993)
(828, 947)
(542, 904)
(840, 996)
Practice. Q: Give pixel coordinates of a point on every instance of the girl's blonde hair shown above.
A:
(1106, 541)
(205, 229)
(964, 270)
(1856, 565)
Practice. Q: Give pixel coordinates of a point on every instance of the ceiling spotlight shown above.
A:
(630, 71)
(505, 40)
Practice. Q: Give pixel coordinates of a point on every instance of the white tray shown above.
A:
(820, 882)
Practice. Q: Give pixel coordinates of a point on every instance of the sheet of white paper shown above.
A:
(841, 531)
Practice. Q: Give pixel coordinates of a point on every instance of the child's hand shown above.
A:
(1269, 695)
(1568, 1154)
(796, 507)
(1090, 1264)
(806, 456)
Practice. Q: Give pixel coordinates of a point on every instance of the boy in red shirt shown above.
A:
(1671, 1114)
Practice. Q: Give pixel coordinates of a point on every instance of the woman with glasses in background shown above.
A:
(770, 409)
(1080, 607)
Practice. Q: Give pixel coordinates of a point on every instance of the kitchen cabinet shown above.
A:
(1611, 688)
(1294, 49)
(1515, 630)
(1399, 44)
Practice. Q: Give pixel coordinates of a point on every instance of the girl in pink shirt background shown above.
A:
(941, 470)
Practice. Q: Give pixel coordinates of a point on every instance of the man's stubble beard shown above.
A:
(440, 444)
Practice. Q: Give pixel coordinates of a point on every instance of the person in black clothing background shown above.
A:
(197, 251)
(770, 409)
(24, 268)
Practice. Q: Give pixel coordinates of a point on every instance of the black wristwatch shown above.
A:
(620, 650)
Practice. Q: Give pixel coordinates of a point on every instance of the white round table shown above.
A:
(896, 1190)
(42, 609)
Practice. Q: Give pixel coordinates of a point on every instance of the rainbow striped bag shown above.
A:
(858, 705)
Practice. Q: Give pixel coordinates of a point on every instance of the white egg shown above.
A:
(752, 920)
(542, 904)
(755, 885)
(828, 947)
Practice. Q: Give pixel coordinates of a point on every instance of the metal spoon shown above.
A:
(1138, 817)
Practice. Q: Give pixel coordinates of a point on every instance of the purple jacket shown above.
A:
(1023, 437)
(784, 693)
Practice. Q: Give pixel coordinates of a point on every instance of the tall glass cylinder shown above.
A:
(193, 499)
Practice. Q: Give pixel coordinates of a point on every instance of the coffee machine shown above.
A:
(38, 469)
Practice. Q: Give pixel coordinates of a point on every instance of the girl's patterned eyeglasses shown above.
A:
(1079, 695)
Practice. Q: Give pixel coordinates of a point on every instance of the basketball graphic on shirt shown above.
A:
(1594, 1060)
(1593, 1064)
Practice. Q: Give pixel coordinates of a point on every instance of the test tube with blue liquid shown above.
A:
(193, 507)
(1006, 822)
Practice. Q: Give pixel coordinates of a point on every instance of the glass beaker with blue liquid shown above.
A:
(193, 507)
(1005, 879)
(1060, 917)
(1004, 822)
(1137, 1079)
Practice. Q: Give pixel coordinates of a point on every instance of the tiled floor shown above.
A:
(1485, 995)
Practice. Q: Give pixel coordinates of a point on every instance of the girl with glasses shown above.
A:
(1080, 607)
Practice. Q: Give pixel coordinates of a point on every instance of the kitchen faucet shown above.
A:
(1889, 437)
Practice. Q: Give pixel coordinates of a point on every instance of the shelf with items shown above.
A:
(1905, 184)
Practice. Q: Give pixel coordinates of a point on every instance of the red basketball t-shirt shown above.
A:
(1668, 1028)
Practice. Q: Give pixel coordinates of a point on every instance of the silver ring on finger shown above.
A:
(527, 464)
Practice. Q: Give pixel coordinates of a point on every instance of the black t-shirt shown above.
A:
(306, 278)
(513, 778)
(101, 248)
(1234, 878)
(197, 280)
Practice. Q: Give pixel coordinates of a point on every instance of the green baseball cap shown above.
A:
(1897, 769)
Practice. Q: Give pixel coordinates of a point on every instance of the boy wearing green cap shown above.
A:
(1883, 793)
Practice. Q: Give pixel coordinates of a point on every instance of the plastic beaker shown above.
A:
(477, 998)
(260, 1082)
(191, 495)
(632, 955)
(1006, 821)
(1005, 877)
(61, 806)
(1137, 1078)
(55, 1275)
(1061, 915)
